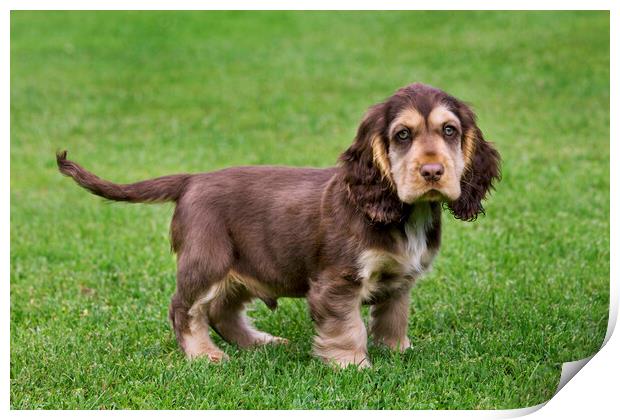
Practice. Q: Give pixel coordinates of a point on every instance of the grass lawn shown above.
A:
(138, 95)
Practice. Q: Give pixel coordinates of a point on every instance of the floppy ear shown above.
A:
(482, 169)
(367, 173)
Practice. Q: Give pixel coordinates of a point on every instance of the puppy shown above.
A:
(356, 234)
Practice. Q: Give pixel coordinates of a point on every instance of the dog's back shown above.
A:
(267, 216)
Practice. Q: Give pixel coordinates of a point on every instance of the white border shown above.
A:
(593, 391)
(5, 56)
(309, 5)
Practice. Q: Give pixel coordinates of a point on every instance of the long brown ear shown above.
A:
(367, 171)
(482, 169)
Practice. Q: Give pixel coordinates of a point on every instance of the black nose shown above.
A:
(431, 171)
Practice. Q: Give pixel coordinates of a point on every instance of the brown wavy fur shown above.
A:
(369, 189)
(481, 172)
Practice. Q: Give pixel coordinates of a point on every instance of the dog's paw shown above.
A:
(213, 355)
(362, 364)
(361, 361)
(279, 340)
(262, 339)
(217, 357)
(400, 345)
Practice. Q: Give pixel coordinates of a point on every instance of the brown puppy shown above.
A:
(359, 233)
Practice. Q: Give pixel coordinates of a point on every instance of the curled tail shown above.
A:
(165, 188)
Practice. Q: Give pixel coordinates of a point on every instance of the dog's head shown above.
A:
(419, 145)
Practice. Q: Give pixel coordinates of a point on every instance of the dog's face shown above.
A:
(422, 145)
(425, 154)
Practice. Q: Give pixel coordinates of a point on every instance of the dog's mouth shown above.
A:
(440, 193)
(431, 192)
(433, 195)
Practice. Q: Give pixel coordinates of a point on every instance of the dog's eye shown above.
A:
(449, 130)
(403, 134)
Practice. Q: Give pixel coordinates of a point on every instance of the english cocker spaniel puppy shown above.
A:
(356, 234)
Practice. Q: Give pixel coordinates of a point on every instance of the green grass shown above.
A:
(137, 95)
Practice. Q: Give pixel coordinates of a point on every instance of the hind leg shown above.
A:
(226, 313)
(192, 330)
(201, 271)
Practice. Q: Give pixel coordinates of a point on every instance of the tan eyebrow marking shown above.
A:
(409, 117)
(441, 115)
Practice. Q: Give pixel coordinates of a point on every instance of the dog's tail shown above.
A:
(165, 188)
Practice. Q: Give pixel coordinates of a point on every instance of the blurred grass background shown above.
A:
(134, 95)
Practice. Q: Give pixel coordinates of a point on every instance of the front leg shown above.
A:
(388, 321)
(335, 306)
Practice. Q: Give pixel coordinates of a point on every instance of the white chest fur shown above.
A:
(408, 262)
